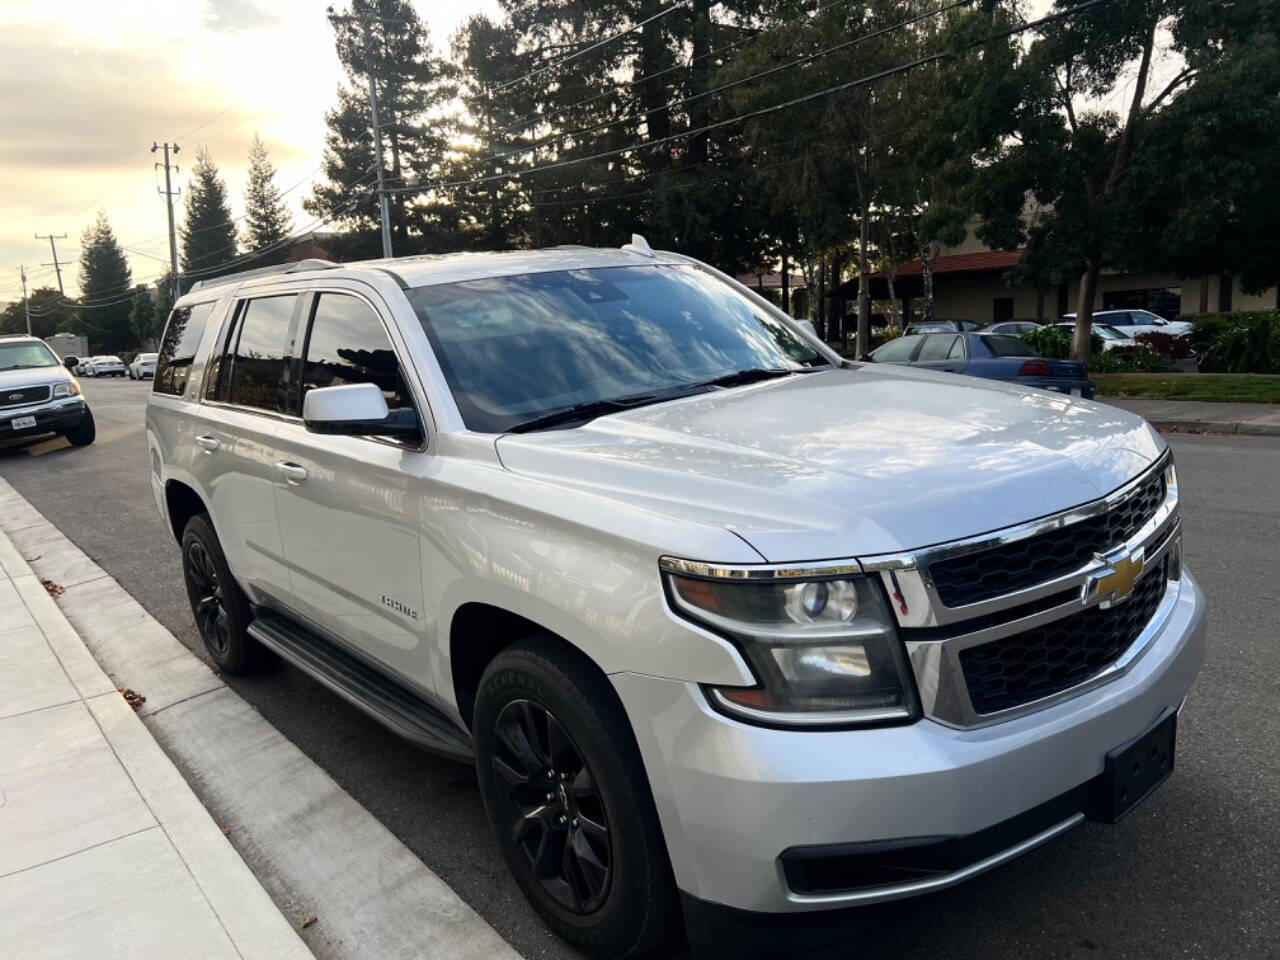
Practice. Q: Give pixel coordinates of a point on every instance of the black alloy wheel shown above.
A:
(220, 608)
(554, 811)
(207, 601)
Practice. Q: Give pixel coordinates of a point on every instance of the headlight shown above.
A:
(68, 388)
(825, 650)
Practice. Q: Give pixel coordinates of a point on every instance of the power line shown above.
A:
(725, 48)
(763, 111)
(593, 46)
(799, 61)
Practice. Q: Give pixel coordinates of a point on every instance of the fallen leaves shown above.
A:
(133, 698)
(52, 588)
(307, 921)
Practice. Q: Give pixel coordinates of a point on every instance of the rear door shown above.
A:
(350, 507)
(247, 402)
(942, 351)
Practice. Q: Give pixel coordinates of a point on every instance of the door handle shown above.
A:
(207, 442)
(292, 472)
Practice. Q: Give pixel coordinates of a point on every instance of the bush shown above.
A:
(1167, 345)
(1240, 342)
(1129, 360)
(1049, 342)
(1055, 342)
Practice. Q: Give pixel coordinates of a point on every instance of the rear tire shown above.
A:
(591, 860)
(84, 432)
(220, 608)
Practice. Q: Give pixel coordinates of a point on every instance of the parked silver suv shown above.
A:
(736, 634)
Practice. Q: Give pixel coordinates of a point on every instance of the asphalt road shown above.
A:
(1193, 872)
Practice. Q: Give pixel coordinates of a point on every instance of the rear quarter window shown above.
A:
(178, 347)
(999, 345)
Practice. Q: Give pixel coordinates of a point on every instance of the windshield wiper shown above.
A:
(589, 410)
(740, 378)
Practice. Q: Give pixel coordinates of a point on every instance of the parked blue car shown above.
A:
(993, 356)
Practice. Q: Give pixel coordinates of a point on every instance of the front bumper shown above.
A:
(732, 797)
(53, 417)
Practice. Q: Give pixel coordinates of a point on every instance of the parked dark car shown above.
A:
(993, 356)
(1014, 328)
(940, 326)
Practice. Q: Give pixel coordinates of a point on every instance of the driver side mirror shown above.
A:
(71, 362)
(1161, 322)
(356, 410)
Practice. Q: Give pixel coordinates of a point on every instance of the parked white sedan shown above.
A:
(106, 366)
(1133, 322)
(1111, 337)
(143, 366)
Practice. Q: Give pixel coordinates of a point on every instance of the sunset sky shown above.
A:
(89, 84)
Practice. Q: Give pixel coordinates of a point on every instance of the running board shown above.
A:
(391, 704)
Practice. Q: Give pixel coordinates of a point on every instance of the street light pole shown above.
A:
(26, 306)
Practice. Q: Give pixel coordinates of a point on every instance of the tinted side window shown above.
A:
(348, 344)
(896, 351)
(936, 347)
(178, 347)
(260, 358)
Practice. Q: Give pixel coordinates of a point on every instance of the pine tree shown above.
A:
(208, 233)
(104, 287)
(415, 96)
(143, 318)
(267, 220)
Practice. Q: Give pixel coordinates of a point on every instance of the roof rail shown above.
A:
(279, 268)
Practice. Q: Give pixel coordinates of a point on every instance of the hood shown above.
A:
(36, 377)
(849, 462)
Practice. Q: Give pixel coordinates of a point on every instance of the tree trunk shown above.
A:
(928, 252)
(890, 275)
(786, 286)
(862, 344)
(653, 91)
(1081, 339)
(822, 298)
(700, 109)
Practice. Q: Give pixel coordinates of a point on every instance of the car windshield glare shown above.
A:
(24, 355)
(514, 349)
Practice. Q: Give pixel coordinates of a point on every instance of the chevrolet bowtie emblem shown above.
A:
(1115, 582)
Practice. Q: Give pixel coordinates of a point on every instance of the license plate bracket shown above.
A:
(1135, 769)
(22, 423)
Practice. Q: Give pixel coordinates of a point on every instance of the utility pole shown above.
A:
(384, 211)
(26, 307)
(57, 268)
(169, 193)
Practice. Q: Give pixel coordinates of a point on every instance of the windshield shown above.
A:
(147, 357)
(25, 355)
(515, 349)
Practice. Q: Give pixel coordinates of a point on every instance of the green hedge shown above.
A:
(1238, 342)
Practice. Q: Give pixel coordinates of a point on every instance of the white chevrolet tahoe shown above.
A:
(740, 637)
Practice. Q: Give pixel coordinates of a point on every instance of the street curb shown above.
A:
(1240, 427)
(250, 919)
(329, 865)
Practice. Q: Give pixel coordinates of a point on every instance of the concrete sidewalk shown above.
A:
(1257, 419)
(104, 849)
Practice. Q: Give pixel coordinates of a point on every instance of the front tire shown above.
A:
(220, 608)
(566, 792)
(84, 432)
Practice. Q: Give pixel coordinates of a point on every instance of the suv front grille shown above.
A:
(974, 577)
(21, 396)
(1048, 659)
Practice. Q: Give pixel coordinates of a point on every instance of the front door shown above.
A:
(350, 507)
